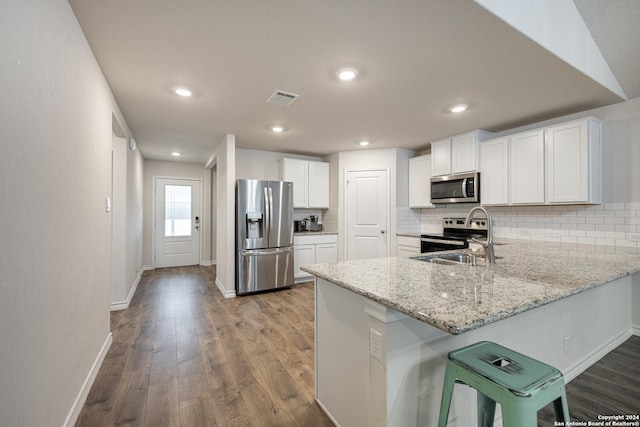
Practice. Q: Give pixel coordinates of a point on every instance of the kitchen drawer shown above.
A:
(413, 242)
(310, 239)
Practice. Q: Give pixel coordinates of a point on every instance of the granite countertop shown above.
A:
(305, 233)
(461, 298)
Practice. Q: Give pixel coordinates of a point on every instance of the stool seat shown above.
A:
(514, 371)
(520, 384)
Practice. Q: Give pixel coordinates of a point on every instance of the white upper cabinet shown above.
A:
(574, 172)
(310, 182)
(457, 154)
(526, 164)
(494, 171)
(441, 157)
(318, 185)
(420, 182)
(297, 171)
(464, 153)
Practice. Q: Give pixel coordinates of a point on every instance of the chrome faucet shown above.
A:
(489, 254)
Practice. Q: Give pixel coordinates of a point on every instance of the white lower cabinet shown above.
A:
(408, 246)
(313, 249)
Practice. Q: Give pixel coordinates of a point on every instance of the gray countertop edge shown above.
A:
(456, 329)
(606, 272)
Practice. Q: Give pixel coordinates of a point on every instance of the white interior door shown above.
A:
(177, 222)
(367, 209)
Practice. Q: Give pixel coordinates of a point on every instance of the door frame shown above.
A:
(346, 171)
(153, 215)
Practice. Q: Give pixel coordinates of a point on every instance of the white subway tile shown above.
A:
(605, 227)
(626, 213)
(613, 206)
(577, 233)
(605, 213)
(595, 234)
(606, 242)
(632, 205)
(614, 235)
(569, 239)
(626, 228)
(614, 221)
(595, 220)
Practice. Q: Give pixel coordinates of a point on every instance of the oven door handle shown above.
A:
(446, 242)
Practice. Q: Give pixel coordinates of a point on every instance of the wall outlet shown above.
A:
(633, 237)
(567, 345)
(524, 232)
(375, 344)
(553, 234)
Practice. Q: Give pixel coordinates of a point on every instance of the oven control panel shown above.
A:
(458, 223)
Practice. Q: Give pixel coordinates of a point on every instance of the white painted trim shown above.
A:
(382, 313)
(74, 412)
(154, 178)
(635, 330)
(225, 293)
(590, 359)
(327, 413)
(148, 267)
(115, 306)
(346, 172)
(208, 263)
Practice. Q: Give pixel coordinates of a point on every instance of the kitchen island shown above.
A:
(384, 326)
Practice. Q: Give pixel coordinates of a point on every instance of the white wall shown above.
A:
(155, 168)
(55, 173)
(224, 162)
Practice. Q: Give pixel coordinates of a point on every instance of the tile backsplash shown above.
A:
(613, 224)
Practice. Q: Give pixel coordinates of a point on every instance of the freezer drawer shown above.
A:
(263, 269)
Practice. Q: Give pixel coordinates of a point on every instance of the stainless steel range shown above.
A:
(455, 235)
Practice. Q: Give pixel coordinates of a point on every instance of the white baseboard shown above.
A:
(225, 293)
(148, 267)
(589, 359)
(327, 413)
(208, 263)
(635, 330)
(74, 412)
(115, 306)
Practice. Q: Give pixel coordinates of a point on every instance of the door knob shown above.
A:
(382, 231)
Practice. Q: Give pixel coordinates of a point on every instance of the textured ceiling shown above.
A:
(416, 59)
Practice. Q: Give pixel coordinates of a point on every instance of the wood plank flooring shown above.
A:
(183, 356)
(610, 387)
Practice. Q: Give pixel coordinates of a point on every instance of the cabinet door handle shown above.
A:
(382, 231)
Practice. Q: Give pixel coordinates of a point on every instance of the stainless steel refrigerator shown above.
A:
(264, 235)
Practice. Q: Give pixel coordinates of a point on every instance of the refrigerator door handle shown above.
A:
(267, 213)
(266, 252)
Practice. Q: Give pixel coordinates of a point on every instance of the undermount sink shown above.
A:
(451, 259)
(448, 259)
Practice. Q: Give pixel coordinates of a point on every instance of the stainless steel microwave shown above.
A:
(458, 188)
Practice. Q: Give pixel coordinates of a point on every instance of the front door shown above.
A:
(367, 210)
(177, 222)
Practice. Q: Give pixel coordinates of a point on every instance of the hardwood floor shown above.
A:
(182, 355)
(610, 387)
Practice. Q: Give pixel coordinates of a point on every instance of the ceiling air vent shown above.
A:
(282, 98)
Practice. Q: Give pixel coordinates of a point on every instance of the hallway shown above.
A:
(182, 355)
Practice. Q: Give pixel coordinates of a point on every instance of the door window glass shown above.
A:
(177, 210)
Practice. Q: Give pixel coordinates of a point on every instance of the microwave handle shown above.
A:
(464, 187)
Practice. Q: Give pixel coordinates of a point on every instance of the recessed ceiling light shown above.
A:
(176, 153)
(347, 74)
(182, 91)
(277, 129)
(459, 108)
(364, 143)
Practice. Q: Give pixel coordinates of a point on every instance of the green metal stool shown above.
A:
(520, 384)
